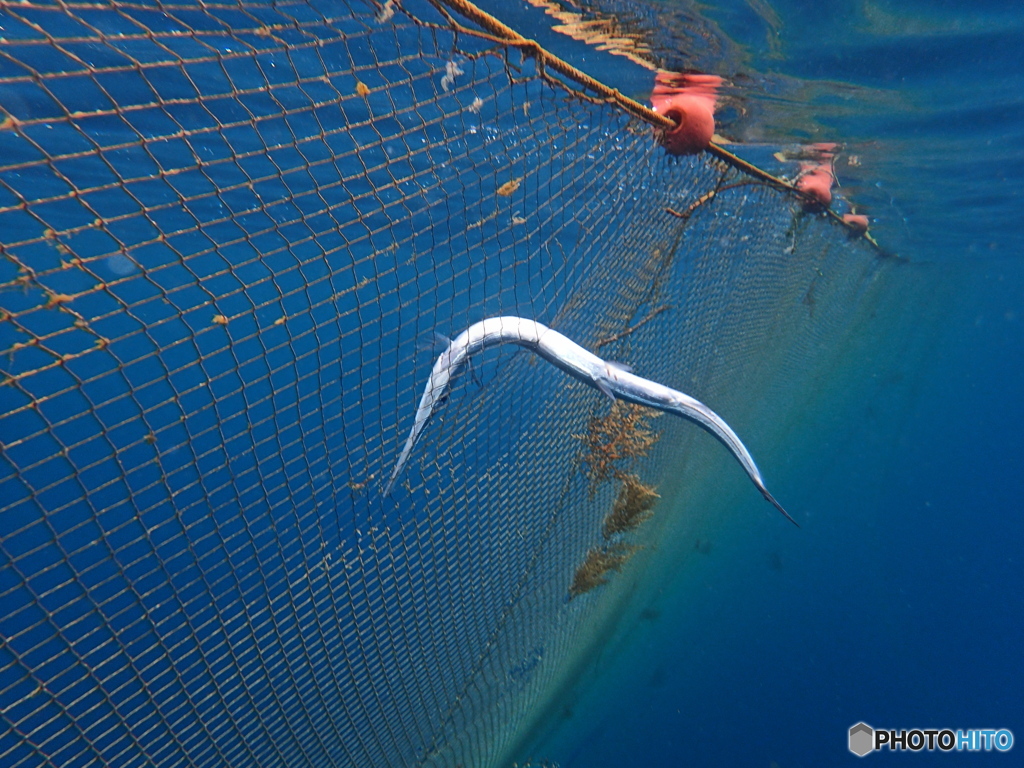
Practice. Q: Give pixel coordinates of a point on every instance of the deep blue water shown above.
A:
(899, 601)
(898, 604)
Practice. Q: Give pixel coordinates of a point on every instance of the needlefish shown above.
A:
(613, 379)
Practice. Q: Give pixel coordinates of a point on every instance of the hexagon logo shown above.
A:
(862, 739)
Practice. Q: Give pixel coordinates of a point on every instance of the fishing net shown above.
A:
(230, 233)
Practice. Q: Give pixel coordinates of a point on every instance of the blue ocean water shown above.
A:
(898, 601)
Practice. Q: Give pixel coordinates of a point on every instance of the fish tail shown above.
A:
(764, 492)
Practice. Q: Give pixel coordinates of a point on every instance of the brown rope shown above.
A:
(547, 59)
(505, 34)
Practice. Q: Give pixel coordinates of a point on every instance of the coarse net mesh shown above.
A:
(230, 233)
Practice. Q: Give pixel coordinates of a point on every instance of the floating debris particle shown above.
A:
(279, 321)
(220, 319)
(623, 434)
(592, 571)
(632, 507)
(386, 12)
(476, 105)
(362, 89)
(509, 187)
(451, 71)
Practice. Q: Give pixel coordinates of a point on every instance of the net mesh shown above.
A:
(229, 233)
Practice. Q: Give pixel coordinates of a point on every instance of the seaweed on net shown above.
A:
(633, 506)
(599, 560)
(623, 434)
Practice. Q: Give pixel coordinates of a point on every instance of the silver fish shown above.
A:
(614, 380)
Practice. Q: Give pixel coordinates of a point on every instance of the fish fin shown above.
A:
(602, 385)
(619, 366)
(473, 376)
(433, 342)
(441, 341)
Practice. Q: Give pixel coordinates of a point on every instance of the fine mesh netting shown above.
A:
(230, 233)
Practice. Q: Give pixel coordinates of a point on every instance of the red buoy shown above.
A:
(856, 221)
(816, 176)
(816, 183)
(689, 101)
